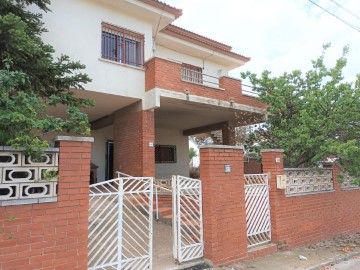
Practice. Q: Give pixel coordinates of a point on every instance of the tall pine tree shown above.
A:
(31, 80)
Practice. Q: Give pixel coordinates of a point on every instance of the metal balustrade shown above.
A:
(190, 75)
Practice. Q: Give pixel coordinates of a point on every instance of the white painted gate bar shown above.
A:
(187, 219)
(120, 224)
(257, 207)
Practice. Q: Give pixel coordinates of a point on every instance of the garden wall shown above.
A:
(42, 228)
(305, 217)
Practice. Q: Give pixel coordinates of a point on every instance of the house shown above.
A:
(154, 83)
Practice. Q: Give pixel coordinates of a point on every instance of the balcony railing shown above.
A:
(247, 91)
(190, 75)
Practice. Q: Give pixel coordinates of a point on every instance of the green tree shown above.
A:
(192, 153)
(32, 80)
(314, 115)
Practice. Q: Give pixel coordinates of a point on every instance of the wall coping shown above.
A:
(231, 78)
(217, 146)
(272, 150)
(21, 149)
(74, 139)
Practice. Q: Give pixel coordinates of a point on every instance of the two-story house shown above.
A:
(154, 83)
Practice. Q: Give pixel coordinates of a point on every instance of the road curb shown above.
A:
(336, 260)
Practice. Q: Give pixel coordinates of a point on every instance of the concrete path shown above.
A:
(352, 264)
(319, 256)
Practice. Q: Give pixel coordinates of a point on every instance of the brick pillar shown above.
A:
(51, 235)
(273, 163)
(134, 137)
(228, 135)
(223, 204)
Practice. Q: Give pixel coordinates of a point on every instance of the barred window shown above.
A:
(191, 73)
(122, 45)
(165, 153)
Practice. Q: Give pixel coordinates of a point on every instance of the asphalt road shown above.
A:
(353, 264)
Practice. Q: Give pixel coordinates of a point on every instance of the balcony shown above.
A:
(189, 75)
(173, 76)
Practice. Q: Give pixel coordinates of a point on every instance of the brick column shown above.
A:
(52, 235)
(223, 204)
(134, 137)
(273, 163)
(228, 135)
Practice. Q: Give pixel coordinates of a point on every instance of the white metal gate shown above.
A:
(187, 219)
(257, 209)
(120, 224)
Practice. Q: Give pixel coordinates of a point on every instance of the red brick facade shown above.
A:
(302, 220)
(223, 205)
(51, 235)
(166, 74)
(133, 131)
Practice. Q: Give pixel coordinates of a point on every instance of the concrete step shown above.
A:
(165, 211)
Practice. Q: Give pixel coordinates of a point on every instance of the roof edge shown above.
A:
(192, 37)
(163, 6)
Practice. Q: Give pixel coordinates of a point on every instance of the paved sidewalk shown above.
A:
(320, 256)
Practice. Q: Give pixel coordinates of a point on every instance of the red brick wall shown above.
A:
(133, 131)
(223, 205)
(166, 74)
(51, 235)
(307, 219)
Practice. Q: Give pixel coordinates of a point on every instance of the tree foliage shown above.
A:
(32, 79)
(192, 153)
(314, 115)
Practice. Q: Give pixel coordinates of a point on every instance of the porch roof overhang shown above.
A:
(105, 105)
(181, 111)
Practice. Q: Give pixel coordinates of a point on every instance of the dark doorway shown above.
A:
(109, 166)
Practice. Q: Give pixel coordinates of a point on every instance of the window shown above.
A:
(121, 45)
(191, 73)
(165, 154)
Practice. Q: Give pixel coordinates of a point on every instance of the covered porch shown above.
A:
(146, 140)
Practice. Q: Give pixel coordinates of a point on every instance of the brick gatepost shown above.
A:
(224, 216)
(273, 163)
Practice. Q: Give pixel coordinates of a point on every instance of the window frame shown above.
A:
(162, 161)
(191, 73)
(123, 39)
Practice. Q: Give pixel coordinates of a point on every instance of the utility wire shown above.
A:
(337, 17)
(344, 8)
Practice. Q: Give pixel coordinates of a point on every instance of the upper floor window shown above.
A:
(122, 45)
(191, 73)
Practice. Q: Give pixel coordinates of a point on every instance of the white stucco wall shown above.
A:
(209, 68)
(75, 29)
(98, 149)
(173, 137)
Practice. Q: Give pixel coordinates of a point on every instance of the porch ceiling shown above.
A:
(105, 105)
(181, 114)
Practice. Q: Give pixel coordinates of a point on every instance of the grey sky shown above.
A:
(279, 35)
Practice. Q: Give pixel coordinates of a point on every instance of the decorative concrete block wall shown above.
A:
(312, 216)
(24, 181)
